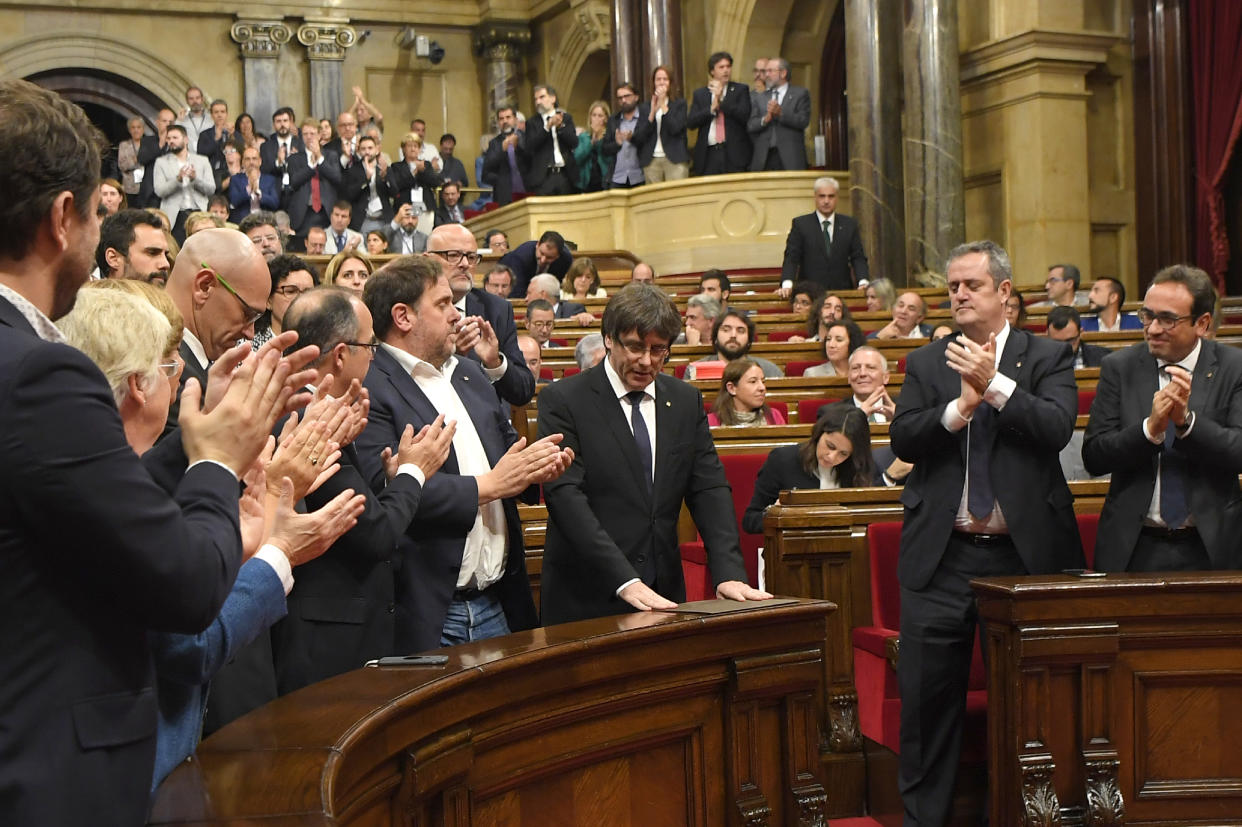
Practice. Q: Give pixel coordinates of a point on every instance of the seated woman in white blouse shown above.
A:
(837, 455)
(742, 399)
(840, 339)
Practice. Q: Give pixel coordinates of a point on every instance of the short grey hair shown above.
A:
(869, 349)
(781, 64)
(547, 283)
(122, 334)
(710, 305)
(586, 348)
(999, 267)
(826, 181)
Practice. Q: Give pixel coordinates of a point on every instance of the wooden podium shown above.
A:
(653, 718)
(1115, 700)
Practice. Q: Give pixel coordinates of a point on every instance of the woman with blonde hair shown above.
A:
(742, 399)
(881, 295)
(593, 164)
(349, 269)
(581, 281)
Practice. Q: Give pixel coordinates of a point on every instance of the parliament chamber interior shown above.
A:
(1092, 141)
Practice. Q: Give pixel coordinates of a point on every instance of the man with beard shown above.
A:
(183, 181)
(252, 189)
(1107, 295)
(619, 140)
(779, 117)
(551, 141)
(194, 118)
(260, 227)
(732, 335)
(276, 150)
(453, 169)
(506, 160)
(719, 112)
(450, 200)
(132, 245)
(364, 184)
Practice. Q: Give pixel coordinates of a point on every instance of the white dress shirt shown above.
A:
(647, 410)
(486, 544)
(558, 159)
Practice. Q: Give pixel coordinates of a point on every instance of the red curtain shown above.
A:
(1216, 80)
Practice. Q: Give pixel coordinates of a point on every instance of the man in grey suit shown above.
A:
(1167, 424)
(778, 118)
(183, 181)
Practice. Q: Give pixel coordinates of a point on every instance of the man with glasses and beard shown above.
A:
(1167, 424)
(732, 335)
(619, 140)
(612, 517)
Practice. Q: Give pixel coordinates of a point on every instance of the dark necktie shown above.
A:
(316, 201)
(1174, 509)
(340, 243)
(515, 174)
(979, 449)
(642, 439)
(828, 236)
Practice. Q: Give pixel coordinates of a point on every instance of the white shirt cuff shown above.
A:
(276, 558)
(999, 390)
(1190, 424)
(214, 462)
(623, 586)
(495, 373)
(1154, 440)
(413, 470)
(952, 418)
(787, 283)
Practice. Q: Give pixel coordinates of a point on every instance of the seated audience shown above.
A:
(218, 205)
(499, 281)
(732, 336)
(340, 236)
(841, 339)
(546, 286)
(827, 309)
(244, 134)
(742, 397)
(496, 242)
(251, 189)
(907, 323)
(943, 330)
(316, 241)
(533, 356)
(404, 236)
(642, 274)
(701, 313)
(589, 351)
(581, 282)
(837, 455)
(260, 227)
(868, 376)
(350, 270)
(1061, 285)
(1107, 295)
(1064, 325)
(540, 320)
(377, 243)
(111, 196)
(881, 295)
(450, 211)
(197, 220)
(715, 283)
(1015, 310)
(291, 277)
(802, 297)
(593, 165)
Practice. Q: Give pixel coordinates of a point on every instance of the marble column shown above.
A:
(662, 42)
(260, 42)
(501, 45)
(935, 206)
(873, 82)
(326, 40)
(626, 52)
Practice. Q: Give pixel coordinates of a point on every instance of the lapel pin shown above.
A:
(668, 404)
(1019, 364)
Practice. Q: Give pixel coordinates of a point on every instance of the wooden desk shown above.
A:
(653, 718)
(1114, 701)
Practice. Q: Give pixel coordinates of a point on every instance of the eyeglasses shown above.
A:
(169, 369)
(636, 349)
(1168, 321)
(290, 290)
(1052, 279)
(252, 315)
(455, 256)
(541, 325)
(372, 346)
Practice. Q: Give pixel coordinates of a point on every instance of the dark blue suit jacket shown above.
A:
(517, 386)
(239, 198)
(522, 263)
(431, 549)
(95, 554)
(1129, 321)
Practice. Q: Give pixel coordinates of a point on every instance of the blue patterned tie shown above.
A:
(642, 440)
(1174, 509)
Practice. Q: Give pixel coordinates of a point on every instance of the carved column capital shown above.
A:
(326, 38)
(260, 38)
(501, 41)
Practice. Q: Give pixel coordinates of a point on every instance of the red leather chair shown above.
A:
(879, 701)
(775, 404)
(1085, 398)
(1088, 528)
(784, 335)
(741, 470)
(807, 408)
(799, 367)
(571, 371)
(546, 374)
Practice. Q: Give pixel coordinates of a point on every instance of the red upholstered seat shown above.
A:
(879, 701)
(741, 470)
(571, 371)
(1088, 527)
(807, 408)
(680, 370)
(775, 404)
(901, 365)
(546, 374)
(799, 367)
(784, 335)
(1085, 398)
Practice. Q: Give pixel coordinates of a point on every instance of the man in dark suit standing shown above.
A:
(550, 143)
(211, 142)
(506, 161)
(276, 151)
(642, 446)
(549, 255)
(365, 184)
(458, 252)
(719, 111)
(338, 610)
(95, 553)
(314, 177)
(1167, 424)
(824, 246)
(1064, 325)
(779, 117)
(982, 417)
(463, 568)
(150, 148)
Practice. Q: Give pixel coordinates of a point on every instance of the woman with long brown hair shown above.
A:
(742, 399)
(589, 155)
(661, 134)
